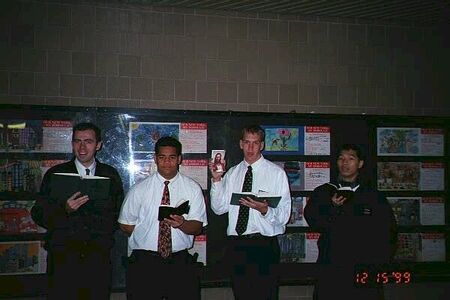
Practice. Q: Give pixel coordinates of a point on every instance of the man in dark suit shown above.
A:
(80, 234)
(356, 226)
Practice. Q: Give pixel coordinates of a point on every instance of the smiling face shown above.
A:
(85, 145)
(252, 145)
(167, 161)
(349, 164)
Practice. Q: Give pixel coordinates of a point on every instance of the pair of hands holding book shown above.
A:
(261, 206)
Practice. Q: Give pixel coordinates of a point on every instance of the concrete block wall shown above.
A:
(91, 53)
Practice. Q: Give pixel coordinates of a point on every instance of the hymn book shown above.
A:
(165, 210)
(64, 185)
(272, 200)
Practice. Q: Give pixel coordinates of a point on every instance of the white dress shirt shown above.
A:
(267, 177)
(141, 206)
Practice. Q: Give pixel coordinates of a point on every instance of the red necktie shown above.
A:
(165, 237)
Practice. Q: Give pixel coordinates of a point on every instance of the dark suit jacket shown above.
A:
(363, 230)
(65, 229)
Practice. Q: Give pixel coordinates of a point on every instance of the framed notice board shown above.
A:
(407, 158)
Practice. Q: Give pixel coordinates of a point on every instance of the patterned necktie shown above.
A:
(164, 236)
(241, 224)
(88, 171)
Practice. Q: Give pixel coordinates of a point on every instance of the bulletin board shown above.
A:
(32, 138)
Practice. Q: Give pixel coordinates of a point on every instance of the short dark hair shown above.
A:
(168, 141)
(254, 129)
(357, 148)
(88, 126)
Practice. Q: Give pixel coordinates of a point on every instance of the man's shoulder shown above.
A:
(105, 167)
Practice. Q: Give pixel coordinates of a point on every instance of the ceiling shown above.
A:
(433, 12)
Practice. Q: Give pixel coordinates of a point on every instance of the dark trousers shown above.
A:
(149, 276)
(79, 273)
(251, 260)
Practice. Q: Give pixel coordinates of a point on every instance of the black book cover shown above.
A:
(165, 211)
(64, 185)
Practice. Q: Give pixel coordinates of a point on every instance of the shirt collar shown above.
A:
(162, 179)
(82, 169)
(354, 184)
(256, 164)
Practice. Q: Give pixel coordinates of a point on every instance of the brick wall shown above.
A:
(63, 53)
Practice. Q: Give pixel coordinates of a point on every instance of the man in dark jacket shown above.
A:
(356, 226)
(79, 233)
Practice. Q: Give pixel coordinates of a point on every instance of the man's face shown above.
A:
(85, 145)
(349, 164)
(167, 161)
(252, 146)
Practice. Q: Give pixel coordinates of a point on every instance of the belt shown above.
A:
(157, 254)
(253, 236)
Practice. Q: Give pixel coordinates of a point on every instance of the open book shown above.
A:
(165, 210)
(64, 185)
(272, 200)
(344, 191)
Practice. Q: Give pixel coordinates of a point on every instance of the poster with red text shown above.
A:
(57, 136)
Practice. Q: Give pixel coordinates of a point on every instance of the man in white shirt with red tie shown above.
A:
(252, 226)
(159, 264)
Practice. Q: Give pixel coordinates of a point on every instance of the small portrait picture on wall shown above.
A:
(218, 159)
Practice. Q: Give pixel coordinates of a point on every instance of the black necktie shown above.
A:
(241, 224)
(88, 171)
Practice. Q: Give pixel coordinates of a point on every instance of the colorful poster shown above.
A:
(295, 172)
(298, 247)
(392, 176)
(20, 175)
(396, 141)
(292, 247)
(15, 217)
(57, 136)
(407, 247)
(144, 135)
(20, 136)
(406, 210)
(297, 219)
(297, 140)
(22, 258)
(283, 140)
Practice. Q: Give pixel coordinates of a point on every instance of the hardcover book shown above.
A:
(64, 185)
(272, 200)
(165, 210)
